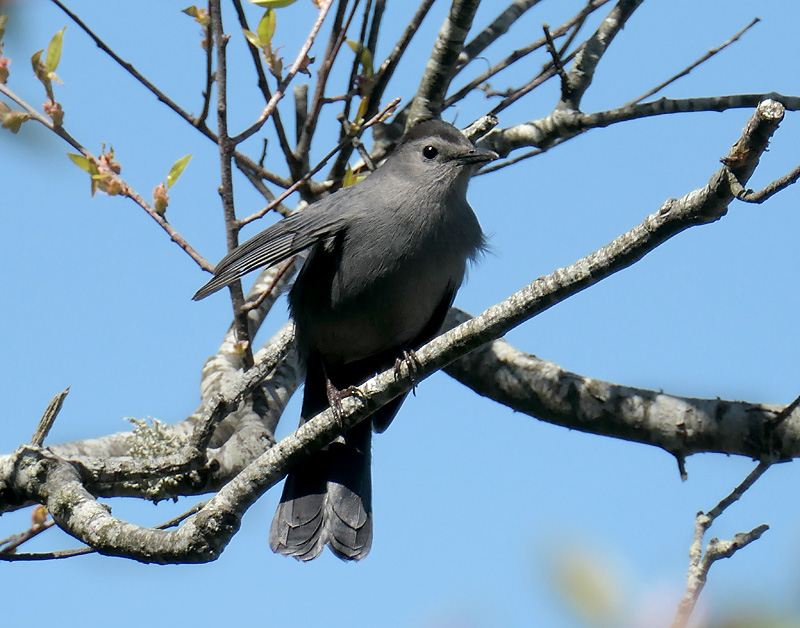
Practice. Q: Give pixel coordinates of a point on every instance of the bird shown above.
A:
(386, 257)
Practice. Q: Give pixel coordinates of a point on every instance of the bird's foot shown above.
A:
(335, 397)
(410, 359)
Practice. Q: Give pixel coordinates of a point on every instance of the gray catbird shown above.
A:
(388, 255)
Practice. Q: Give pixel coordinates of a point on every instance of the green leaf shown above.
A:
(36, 62)
(266, 27)
(13, 120)
(272, 4)
(3, 22)
(54, 51)
(82, 162)
(362, 109)
(348, 179)
(177, 169)
(364, 57)
(200, 15)
(252, 38)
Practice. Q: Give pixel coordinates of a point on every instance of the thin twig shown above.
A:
(8, 547)
(350, 92)
(335, 41)
(551, 48)
(258, 184)
(195, 122)
(751, 196)
(226, 175)
(49, 417)
(545, 75)
(785, 413)
(125, 189)
(293, 69)
(521, 53)
(208, 46)
(263, 86)
(256, 303)
(494, 31)
(386, 111)
(128, 66)
(573, 33)
(582, 71)
(375, 26)
(700, 562)
(691, 67)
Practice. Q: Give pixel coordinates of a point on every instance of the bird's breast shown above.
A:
(357, 299)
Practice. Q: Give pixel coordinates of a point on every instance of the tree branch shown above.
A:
(691, 67)
(582, 71)
(290, 74)
(198, 123)
(441, 66)
(681, 426)
(36, 474)
(543, 133)
(112, 179)
(494, 31)
(572, 23)
(700, 563)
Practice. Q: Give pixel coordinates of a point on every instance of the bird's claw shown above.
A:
(410, 359)
(335, 397)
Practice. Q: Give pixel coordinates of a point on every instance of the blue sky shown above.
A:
(476, 508)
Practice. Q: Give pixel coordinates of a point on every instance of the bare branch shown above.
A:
(691, 67)
(386, 71)
(293, 69)
(564, 125)
(226, 146)
(680, 425)
(263, 85)
(521, 53)
(123, 188)
(700, 563)
(494, 31)
(208, 47)
(49, 417)
(582, 71)
(441, 67)
(335, 41)
(551, 48)
(296, 186)
(350, 92)
(750, 196)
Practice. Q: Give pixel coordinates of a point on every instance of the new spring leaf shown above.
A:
(177, 169)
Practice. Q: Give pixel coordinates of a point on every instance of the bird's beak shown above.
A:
(477, 156)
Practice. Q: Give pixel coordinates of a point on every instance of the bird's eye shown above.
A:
(429, 152)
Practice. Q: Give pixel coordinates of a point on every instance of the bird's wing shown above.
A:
(275, 244)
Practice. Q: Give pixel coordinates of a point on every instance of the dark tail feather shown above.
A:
(297, 526)
(347, 521)
(327, 498)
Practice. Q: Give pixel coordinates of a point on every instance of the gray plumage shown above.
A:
(387, 257)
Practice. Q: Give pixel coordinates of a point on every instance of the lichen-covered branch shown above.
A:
(679, 425)
(441, 66)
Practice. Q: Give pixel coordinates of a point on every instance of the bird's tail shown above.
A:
(327, 498)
